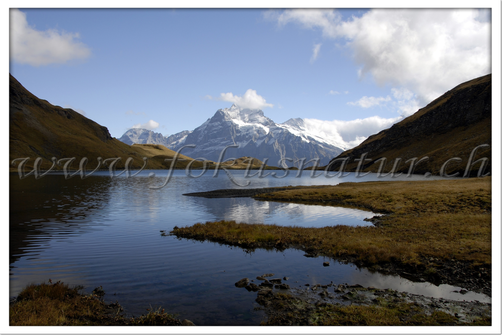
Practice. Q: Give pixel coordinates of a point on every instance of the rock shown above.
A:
(267, 284)
(242, 283)
(265, 293)
(325, 264)
(252, 287)
(261, 278)
(355, 286)
(268, 275)
(285, 278)
(187, 322)
(276, 280)
(323, 294)
(282, 286)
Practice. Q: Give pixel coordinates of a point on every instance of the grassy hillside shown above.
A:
(40, 129)
(449, 127)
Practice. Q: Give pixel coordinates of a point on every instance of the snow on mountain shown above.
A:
(142, 136)
(255, 135)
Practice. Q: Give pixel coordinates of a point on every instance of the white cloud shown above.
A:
(367, 102)
(338, 92)
(315, 52)
(403, 101)
(325, 19)
(250, 100)
(351, 133)
(36, 48)
(427, 51)
(150, 125)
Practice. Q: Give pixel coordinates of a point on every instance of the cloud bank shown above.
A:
(351, 133)
(250, 100)
(426, 51)
(38, 48)
(150, 125)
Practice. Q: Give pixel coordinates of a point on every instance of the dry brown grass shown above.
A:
(58, 304)
(442, 219)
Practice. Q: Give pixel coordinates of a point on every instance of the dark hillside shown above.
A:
(449, 127)
(40, 129)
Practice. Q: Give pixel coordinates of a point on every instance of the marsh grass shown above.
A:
(448, 219)
(58, 304)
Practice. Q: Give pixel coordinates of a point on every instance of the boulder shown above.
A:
(242, 283)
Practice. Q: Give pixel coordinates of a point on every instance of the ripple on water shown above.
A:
(106, 232)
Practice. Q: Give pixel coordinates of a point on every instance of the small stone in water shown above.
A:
(242, 283)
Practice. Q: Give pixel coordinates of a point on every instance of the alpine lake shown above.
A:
(114, 232)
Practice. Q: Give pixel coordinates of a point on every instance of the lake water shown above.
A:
(103, 231)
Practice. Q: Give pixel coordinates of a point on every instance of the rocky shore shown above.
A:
(343, 304)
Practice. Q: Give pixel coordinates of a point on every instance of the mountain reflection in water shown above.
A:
(103, 231)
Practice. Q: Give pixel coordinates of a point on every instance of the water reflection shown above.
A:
(52, 208)
(106, 232)
(248, 210)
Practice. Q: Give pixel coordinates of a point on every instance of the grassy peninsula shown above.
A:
(439, 231)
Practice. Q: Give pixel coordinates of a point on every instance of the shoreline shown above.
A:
(334, 304)
(456, 216)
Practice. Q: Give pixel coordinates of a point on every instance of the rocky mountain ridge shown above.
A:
(253, 134)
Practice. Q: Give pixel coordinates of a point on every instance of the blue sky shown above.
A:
(170, 69)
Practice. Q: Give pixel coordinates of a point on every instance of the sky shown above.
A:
(168, 70)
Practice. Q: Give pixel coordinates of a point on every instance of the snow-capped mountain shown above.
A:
(145, 136)
(255, 135)
(142, 136)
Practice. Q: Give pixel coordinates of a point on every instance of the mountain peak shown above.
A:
(242, 116)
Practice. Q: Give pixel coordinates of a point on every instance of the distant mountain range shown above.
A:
(253, 133)
(443, 134)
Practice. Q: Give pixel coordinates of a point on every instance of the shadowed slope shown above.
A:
(450, 126)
